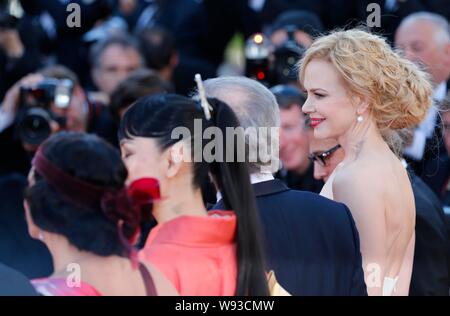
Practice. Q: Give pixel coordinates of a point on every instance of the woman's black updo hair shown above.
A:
(90, 159)
(156, 117)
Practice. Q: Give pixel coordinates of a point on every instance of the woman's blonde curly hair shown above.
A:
(398, 91)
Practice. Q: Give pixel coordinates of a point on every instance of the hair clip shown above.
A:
(203, 101)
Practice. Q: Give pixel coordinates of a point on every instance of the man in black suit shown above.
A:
(425, 39)
(431, 267)
(17, 249)
(311, 242)
(12, 283)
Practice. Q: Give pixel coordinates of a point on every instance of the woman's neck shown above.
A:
(357, 144)
(64, 255)
(180, 202)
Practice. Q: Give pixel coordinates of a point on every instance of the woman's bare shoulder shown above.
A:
(360, 173)
(359, 182)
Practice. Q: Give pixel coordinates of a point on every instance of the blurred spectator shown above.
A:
(438, 6)
(298, 171)
(142, 82)
(112, 60)
(437, 171)
(333, 13)
(225, 18)
(326, 154)
(184, 18)
(130, 10)
(425, 39)
(69, 47)
(16, 247)
(307, 26)
(80, 115)
(202, 30)
(394, 11)
(391, 14)
(17, 57)
(159, 51)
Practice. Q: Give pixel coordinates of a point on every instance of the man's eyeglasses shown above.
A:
(322, 158)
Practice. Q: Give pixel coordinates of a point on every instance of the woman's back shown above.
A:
(378, 192)
(400, 226)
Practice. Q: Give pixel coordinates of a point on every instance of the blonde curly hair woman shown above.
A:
(361, 92)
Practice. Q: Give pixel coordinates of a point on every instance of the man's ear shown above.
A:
(175, 157)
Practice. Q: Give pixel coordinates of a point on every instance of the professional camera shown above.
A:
(257, 53)
(37, 108)
(283, 69)
(273, 65)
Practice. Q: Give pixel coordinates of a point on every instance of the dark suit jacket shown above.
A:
(437, 174)
(17, 249)
(311, 242)
(14, 283)
(431, 268)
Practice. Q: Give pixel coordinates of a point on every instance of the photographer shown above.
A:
(307, 26)
(37, 95)
(272, 58)
(34, 108)
(18, 56)
(68, 46)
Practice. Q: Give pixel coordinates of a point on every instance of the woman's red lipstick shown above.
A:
(314, 122)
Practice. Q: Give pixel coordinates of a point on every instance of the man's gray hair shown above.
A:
(442, 34)
(256, 107)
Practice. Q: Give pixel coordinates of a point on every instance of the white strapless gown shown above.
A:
(389, 285)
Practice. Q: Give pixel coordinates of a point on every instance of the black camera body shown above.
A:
(274, 65)
(35, 109)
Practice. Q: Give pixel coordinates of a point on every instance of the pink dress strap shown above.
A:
(59, 287)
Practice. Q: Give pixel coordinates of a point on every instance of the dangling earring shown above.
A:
(41, 236)
(359, 118)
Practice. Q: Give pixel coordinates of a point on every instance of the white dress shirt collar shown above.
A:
(254, 178)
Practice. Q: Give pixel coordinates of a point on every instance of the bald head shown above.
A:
(425, 39)
(438, 23)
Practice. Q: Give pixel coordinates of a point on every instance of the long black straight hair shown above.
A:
(156, 117)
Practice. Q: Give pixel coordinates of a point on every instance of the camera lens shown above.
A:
(34, 127)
